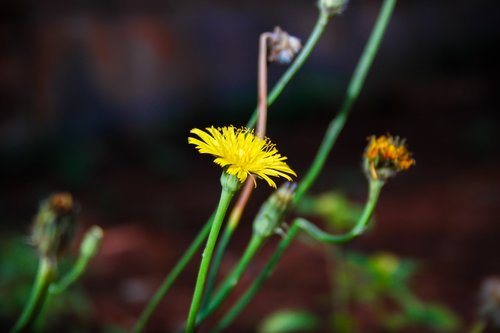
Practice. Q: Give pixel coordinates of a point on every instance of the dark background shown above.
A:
(98, 99)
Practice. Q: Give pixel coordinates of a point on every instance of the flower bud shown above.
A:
(54, 225)
(91, 242)
(332, 7)
(271, 213)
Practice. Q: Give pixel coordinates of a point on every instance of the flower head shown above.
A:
(385, 156)
(242, 153)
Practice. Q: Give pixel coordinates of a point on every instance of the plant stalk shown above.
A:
(171, 277)
(45, 275)
(353, 90)
(225, 199)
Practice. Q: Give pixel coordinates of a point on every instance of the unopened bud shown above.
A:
(332, 7)
(271, 213)
(91, 242)
(282, 47)
(54, 225)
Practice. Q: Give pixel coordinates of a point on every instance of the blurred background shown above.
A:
(98, 99)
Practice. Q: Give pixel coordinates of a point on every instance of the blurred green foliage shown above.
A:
(379, 285)
(371, 290)
(18, 265)
(286, 321)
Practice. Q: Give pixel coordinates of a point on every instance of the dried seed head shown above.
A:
(282, 47)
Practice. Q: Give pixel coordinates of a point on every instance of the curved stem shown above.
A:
(232, 280)
(172, 276)
(375, 186)
(318, 29)
(317, 234)
(353, 90)
(73, 275)
(45, 275)
(225, 199)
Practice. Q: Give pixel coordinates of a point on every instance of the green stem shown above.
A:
(58, 287)
(259, 281)
(375, 186)
(217, 260)
(171, 277)
(232, 280)
(46, 274)
(317, 234)
(319, 27)
(88, 249)
(73, 275)
(225, 199)
(353, 90)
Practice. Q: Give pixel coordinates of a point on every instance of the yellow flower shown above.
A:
(242, 153)
(387, 155)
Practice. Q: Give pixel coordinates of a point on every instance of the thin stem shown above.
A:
(232, 224)
(313, 231)
(45, 275)
(353, 90)
(318, 29)
(258, 282)
(375, 186)
(225, 199)
(262, 85)
(172, 276)
(232, 280)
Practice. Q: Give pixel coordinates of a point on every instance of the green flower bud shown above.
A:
(332, 7)
(91, 242)
(271, 213)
